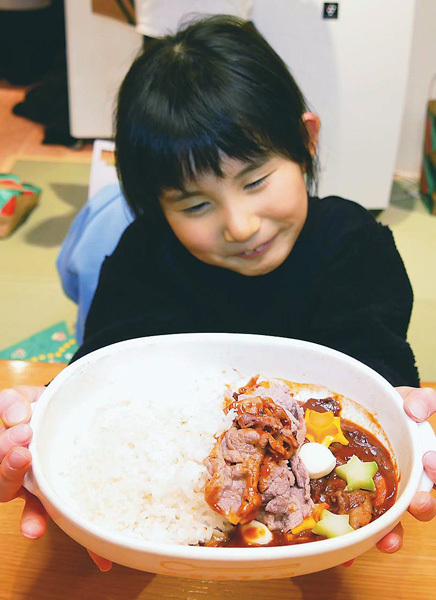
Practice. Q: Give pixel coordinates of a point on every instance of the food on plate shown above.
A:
(331, 525)
(318, 459)
(135, 468)
(324, 427)
(358, 474)
(255, 470)
(296, 467)
(256, 533)
(270, 465)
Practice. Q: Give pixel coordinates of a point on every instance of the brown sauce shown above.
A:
(323, 405)
(361, 443)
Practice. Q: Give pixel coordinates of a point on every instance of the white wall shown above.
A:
(100, 50)
(421, 70)
(353, 71)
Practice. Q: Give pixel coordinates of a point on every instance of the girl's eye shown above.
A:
(196, 209)
(255, 184)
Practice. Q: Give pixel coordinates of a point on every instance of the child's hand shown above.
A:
(15, 458)
(419, 404)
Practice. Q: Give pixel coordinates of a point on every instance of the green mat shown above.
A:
(54, 344)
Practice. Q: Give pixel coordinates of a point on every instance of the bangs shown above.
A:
(175, 160)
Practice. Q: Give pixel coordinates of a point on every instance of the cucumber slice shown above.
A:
(358, 474)
(331, 525)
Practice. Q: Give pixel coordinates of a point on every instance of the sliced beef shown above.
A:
(243, 445)
(281, 395)
(233, 466)
(301, 474)
(285, 494)
(265, 415)
(254, 470)
(356, 504)
(259, 413)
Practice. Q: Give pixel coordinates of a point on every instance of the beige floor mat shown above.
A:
(414, 230)
(32, 298)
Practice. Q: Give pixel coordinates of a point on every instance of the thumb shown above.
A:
(419, 403)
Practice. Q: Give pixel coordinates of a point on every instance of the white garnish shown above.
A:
(256, 533)
(317, 458)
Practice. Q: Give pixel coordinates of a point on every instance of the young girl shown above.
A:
(214, 148)
(215, 151)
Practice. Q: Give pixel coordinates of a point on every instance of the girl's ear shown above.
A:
(313, 125)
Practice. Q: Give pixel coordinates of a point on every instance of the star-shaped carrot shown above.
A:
(324, 428)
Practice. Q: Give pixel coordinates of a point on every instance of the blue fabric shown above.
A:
(93, 235)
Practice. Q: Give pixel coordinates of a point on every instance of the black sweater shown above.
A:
(343, 285)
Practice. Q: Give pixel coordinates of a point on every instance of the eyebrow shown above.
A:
(183, 195)
(253, 165)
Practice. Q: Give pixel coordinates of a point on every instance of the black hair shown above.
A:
(215, 87)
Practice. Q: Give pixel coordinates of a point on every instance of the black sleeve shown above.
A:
(361, 304)
(132, 298)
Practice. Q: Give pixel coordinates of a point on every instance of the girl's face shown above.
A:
(247, 221)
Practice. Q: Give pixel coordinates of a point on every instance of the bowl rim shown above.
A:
(289, 552)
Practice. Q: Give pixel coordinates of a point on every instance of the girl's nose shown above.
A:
(240, 225)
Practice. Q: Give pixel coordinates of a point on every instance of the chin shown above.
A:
(258, 269)
(258, 272)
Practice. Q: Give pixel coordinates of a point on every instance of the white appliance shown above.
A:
(352, 69)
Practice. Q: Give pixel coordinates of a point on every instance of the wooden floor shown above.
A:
(19, 136)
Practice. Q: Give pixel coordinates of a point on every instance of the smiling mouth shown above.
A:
(258, 251)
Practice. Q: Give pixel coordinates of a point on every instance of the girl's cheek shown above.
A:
(192, 235)
(198, 241)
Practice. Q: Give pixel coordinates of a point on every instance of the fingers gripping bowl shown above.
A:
(175, 370)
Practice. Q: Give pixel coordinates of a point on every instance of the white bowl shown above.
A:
(200, 364)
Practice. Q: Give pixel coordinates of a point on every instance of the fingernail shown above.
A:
(16, 413)
(30, 530)
(424, 504)
(430, 460)
(20, 433)
(17, 459)
(393, 548)
(418, 410)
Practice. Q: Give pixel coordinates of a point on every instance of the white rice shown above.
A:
(138, 469)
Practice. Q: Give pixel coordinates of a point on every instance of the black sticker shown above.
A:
(331, 10)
